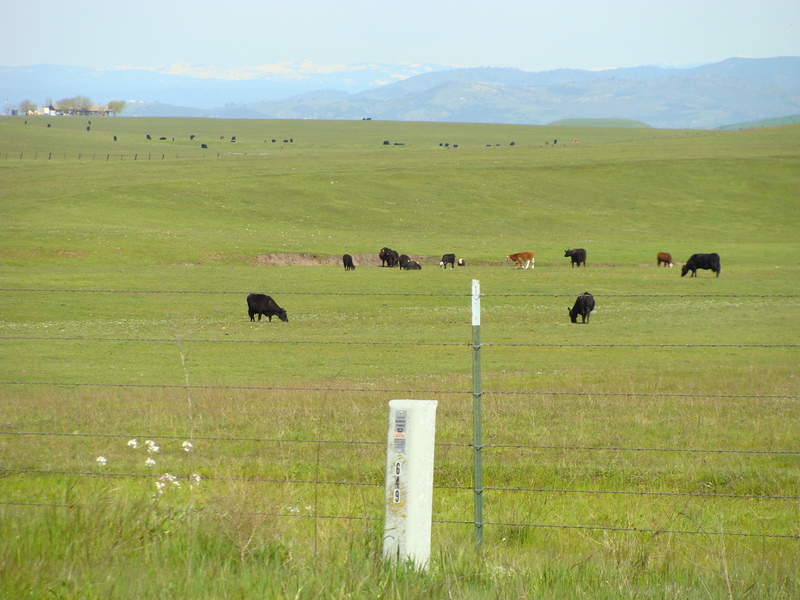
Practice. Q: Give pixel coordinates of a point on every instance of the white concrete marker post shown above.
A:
(409, 481)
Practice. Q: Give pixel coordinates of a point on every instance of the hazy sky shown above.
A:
(533, 35)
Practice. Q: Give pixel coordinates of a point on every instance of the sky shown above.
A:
(532, 35)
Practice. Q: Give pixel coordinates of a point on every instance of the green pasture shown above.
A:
(652, 453)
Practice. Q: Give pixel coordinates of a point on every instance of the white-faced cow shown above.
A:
(665, 258)
(583, 306)
(260, 304)
(347, 261)
(701, 261)
(578, 256)
(521, 259)
(462, 262)
(448, 259)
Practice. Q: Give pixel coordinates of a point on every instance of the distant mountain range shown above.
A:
(736, 90)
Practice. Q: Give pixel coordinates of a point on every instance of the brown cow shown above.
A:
(521, 258)
(664, 257)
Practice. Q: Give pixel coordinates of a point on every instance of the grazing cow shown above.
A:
(664, 257)
(448, 259)
(115, 138)
(584, 305)
(347, 261)
(148, 137)
(522, 259)
(204, 146)
(394, 258)
(162, 138)
(191, 137)
(413, 266)
(701, 261)
(259, 304)
(88, 128)
(578, 256)
(462, 262)
(403, 261)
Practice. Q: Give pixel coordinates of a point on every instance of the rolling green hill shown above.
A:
(625, 193)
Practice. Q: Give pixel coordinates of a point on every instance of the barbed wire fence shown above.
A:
(378, 443)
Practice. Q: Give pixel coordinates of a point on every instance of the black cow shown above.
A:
(701, 261)
(347, 261)
(403, 261)
(259, 304)
(413, 266)
(148, 137)
(578, 256)
(394, 258)
(204, 146)
(384, 256)
(584, 305)
(448, 259)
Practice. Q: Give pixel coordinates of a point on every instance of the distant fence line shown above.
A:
(422, 294)
(123, 156)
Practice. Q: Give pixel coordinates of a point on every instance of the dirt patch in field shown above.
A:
(302, 259)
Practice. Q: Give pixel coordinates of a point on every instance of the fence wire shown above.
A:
(372, 390)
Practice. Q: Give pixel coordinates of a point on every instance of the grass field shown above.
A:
(653, 453)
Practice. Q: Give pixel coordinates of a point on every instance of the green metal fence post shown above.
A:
(477, 444)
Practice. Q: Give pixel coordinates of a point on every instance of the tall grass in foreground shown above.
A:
(606, 497)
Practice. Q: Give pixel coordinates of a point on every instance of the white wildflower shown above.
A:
(133, 444)
(102, 460)
(152, 447)
(150, 462)
(187, 446)
(165, 480)
(196, 479)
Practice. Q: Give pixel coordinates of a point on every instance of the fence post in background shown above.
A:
(477, 435)
(409, 481)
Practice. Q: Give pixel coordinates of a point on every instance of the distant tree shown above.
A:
(69, 105)
(27, 106)
(83, 102)
(116, 106)
(66, 105)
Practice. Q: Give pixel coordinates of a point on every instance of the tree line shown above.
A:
(69, 105)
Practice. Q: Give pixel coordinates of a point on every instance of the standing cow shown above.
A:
(259, 304)
(578, 256)
(584, 305)
(347, 261)
(664, 257)
(701, 261)
(384, 256)
(448, 259)
(521, 258)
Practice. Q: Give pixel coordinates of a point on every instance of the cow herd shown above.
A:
(261, 304)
